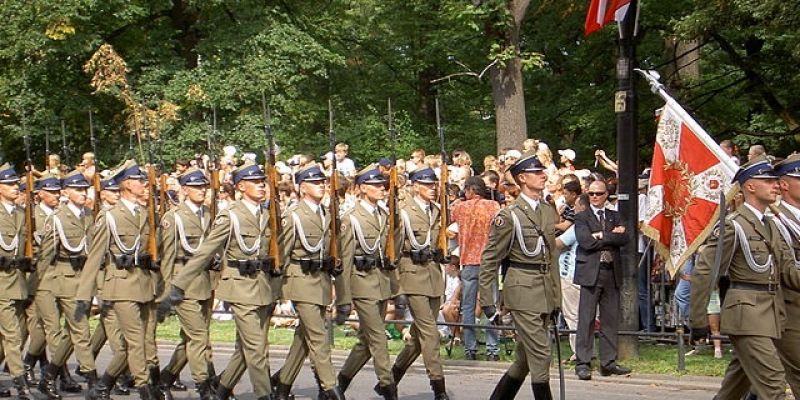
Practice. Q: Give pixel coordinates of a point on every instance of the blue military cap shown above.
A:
(8, 174)
(424, 175)
(109, 184)
(527, 163)
(757, 168)
(193, 177)
(370, 175)
(789, 167)
(47, 182)
(75, 179)
(249, 171)
(130, 170)
(310, 174)
(385, 162)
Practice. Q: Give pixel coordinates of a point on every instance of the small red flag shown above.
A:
(601, 12)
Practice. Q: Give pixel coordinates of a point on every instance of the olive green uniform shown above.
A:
(757, 264)
(367, 282)
(423, 282)
(182, 232)
(64, 248)
(532, 286)
(129, 284)
(242, 236)
(13, 286)
(33, 329)
(307, 282)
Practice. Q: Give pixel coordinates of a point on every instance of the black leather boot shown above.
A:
(91, 378)
(120, 389)
(751, 396)
(146, 392)
(5, 392)
(223, 393)
(167, 380)
(124, 382)
(280, 391)
(205, 391)
(157, 389)
(398, 373)
(178, 385)
(28, 363)
(507, 388)
(23, 393)
(332, 394)
(541, 391)
(47, 386)
(343, 382)
(439, 391)
(101, 389)
(67, 383)
(389, 392)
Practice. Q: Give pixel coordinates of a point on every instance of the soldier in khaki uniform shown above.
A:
(367, 281)
(183, 231)
(532, 286)
(242, 233)
(421, 280)
(65, 240)
(757, 265)
(119, 249)
(13, 286)
(307, 283)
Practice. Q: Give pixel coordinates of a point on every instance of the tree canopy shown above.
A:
(164, 65)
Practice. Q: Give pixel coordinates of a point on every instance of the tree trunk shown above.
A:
(507, 88)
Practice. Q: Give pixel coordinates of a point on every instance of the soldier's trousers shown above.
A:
(310, 340)
(62, 339)
(424, 337)
(109, 329)
(252, 329)
(736, 384)
(533, 347)
(371, 342)
(195, 317)
(33, 331)
(10, 335)
(137, 322)
(756, 365)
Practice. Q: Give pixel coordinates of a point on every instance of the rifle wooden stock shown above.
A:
(391, 205)
(162, 196)
(152, 240)
(97, 189)
(274, 214)
(333, 213)
(30, 221)
(441, 239)
(212, 206)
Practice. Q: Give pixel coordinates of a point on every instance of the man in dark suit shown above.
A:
(598, 271)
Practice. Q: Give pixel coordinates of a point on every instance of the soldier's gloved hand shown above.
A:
(491, 313)
(554, 316)
(699, 335)
(400, 306)
(175, 296)
(342, 312)
(82, 308)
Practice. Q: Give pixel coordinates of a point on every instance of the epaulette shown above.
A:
(732, 215)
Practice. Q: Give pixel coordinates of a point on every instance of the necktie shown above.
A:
(602, 217)
(605, 255)
(765, 219)
(377, 215)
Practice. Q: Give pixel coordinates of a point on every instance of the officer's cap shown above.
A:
(309, 174)
(193, 177)
(527, 163)
(249, 171)
(8, 174)
(109, 184)
(129, 170)
(789, 167)
(75, 179)
(47, 182)
(425, 175)
(370, 175)
(385, 162)
(757, 168)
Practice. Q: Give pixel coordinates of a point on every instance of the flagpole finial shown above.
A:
(653, 78)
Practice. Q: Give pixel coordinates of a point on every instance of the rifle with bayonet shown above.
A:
(46, 149)
(64, 147)
(444, 210)
(272, 180)
(213, 166)
(333, 206)
(96, 176)
(152, 233)
(391, 198)
(30, 222)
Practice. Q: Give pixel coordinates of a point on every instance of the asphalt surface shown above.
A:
(465, 381)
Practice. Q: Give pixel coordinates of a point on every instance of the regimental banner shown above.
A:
(689, 173)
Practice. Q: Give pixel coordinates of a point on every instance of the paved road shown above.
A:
(464, 382)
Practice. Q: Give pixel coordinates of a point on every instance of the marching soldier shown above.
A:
(523, 234)
(241, 233)
(367, 281)
(13, 266)
(65, 240)
(757, 265)
(183, 231)
(421, 280)
(307, 283)
(128, 288)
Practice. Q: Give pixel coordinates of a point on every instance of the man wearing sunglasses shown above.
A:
(598, 270)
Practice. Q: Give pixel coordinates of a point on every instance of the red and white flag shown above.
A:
(689, 173)
(601, 12)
